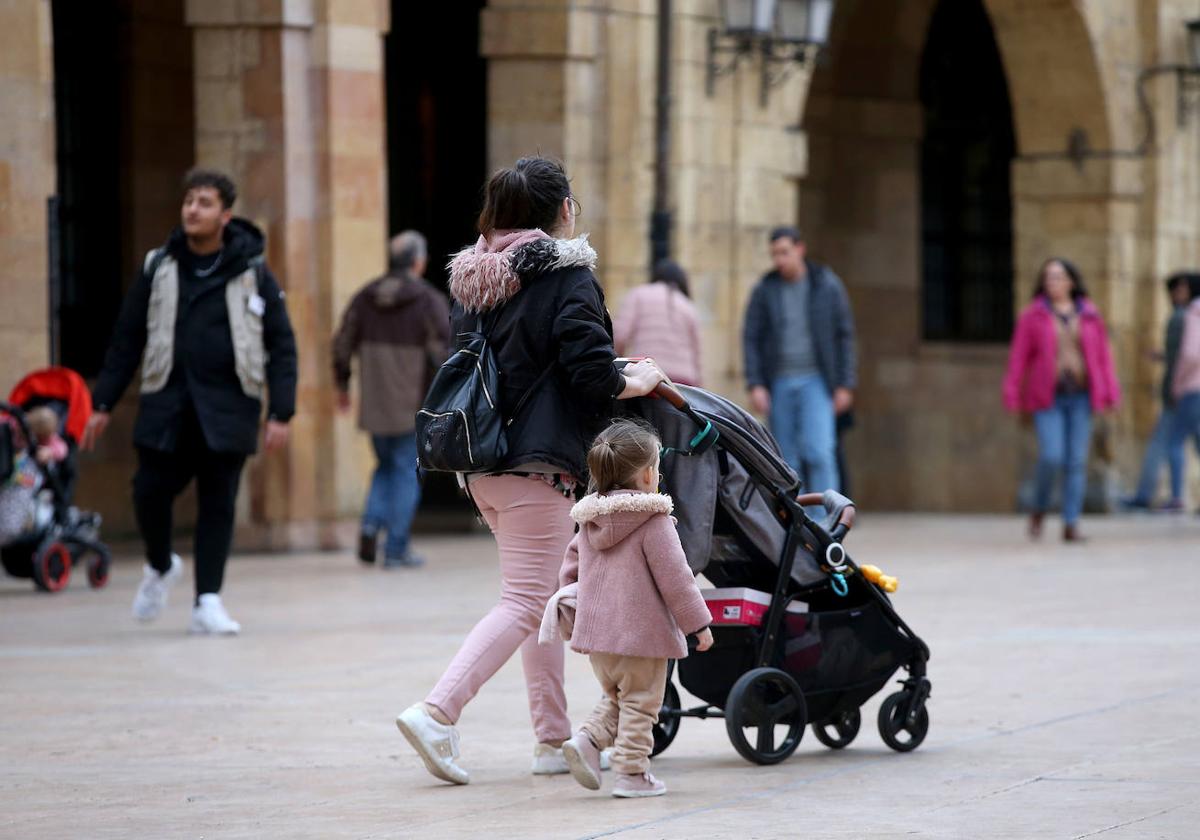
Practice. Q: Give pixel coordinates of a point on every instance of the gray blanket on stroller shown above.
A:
(699, 485)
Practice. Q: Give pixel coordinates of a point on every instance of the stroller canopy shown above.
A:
(58, 383)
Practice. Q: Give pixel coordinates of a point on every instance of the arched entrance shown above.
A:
(935, 198)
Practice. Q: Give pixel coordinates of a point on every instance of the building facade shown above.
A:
(935, 155)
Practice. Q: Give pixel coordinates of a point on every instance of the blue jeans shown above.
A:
(395, 492)
(1064, 434)
(805, 427)
(1186, 422)
(1160, 447)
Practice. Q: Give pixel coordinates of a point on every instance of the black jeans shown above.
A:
(162, 476)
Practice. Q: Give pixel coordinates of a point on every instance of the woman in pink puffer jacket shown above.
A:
(658, 320)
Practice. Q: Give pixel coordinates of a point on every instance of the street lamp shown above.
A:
(804, 21)
(787, 32)
(1187, 76)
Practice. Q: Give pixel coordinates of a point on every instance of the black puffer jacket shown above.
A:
(203, 375)
(552, 317)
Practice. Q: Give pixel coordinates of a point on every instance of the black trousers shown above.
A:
(162, 476)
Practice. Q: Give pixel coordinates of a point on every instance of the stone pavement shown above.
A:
(1064, 706)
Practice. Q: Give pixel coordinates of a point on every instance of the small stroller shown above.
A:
(829, 637)
(58, 535)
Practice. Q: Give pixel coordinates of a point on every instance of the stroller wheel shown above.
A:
(97, 569)
(52, 567)
(765, 715)
(839, 730)
(668, 720)
(897, 730)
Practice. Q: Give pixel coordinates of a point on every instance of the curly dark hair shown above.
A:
(219, 181)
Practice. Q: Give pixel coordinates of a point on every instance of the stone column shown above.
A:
(27, 178)
(289, 100)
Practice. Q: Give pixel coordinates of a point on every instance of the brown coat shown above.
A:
(398, 325)
(637, 596)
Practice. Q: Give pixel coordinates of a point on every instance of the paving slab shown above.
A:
(1066, 689)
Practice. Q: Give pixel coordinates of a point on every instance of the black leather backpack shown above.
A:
(460, 427)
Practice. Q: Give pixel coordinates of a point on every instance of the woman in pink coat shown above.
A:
(1060, 371)
(636, 600)
(658, 320)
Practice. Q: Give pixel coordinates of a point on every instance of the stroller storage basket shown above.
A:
(839, 657)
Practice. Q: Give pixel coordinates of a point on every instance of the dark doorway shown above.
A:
(966, 190)
(125, 134)
(436, 124)
(437, 157)
(88, 83)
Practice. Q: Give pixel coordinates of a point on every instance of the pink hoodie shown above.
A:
(637, 596)
(1032, 377)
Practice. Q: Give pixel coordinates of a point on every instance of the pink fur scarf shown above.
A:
(488, 273)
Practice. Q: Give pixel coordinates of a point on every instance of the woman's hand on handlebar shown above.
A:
(640, 379)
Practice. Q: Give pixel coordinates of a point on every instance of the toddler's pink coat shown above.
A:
(637, 596)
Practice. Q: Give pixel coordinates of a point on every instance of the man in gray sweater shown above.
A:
(799, 351)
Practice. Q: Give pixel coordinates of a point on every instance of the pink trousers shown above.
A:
(532, 525)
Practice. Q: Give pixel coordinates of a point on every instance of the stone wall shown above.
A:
(27, 172)
(579, 82)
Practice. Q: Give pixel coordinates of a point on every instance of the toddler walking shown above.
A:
(635, 599)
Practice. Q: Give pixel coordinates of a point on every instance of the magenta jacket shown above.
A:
(1031, 380)
(637, 596)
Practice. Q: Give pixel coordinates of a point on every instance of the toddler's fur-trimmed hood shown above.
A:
(610, 518)
(486, 274)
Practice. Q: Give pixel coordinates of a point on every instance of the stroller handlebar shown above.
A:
(671, 394)
(845, 522)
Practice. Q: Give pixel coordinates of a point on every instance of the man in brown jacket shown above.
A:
(399, 326)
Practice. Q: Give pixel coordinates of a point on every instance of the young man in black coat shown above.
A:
(207, 321)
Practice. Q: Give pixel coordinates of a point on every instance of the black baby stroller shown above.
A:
(830, 638)
(59, 535)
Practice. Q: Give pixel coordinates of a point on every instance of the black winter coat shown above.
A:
(203, 376)
(557, 322)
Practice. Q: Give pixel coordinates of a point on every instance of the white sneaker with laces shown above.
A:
(209, 617)
(152, 592)
(435, 742)
(550, 761)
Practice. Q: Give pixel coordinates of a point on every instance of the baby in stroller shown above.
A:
(23, 505)
(41, 534)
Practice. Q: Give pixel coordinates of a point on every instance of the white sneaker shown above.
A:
(435, 742)
(151, 596)
(550, 761)
(209, 617)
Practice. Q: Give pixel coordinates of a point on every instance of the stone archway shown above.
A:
(931, 423)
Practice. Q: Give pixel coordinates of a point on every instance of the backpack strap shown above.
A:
(537, 383)
(153, 260)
